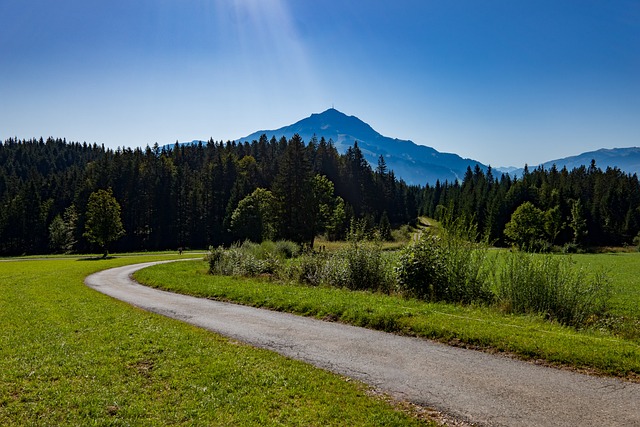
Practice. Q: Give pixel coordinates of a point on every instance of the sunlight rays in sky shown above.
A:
(271, 58)
(494, 81)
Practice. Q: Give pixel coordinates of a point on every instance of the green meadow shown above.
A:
(72, 356)
(624, 270)
(609, 346)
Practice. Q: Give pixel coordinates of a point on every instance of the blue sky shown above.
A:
(504, 82)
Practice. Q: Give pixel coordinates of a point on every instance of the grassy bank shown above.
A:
(72, 356)
(529, 337)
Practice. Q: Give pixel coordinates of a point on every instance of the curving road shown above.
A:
(475, 387)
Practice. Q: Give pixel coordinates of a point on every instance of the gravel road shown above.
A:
(471, 386)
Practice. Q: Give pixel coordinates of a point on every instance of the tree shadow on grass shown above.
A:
(96, 258)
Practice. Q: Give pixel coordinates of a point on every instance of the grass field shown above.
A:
(530, 337)
(624, 270)
(72, 356)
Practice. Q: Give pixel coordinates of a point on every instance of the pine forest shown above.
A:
(216, 193)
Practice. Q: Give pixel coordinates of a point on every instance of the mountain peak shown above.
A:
(330, 114)
(333, 122)
(416, 164)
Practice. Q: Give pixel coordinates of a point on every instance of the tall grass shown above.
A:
(360, 265)
(251, 259)
(450, 266)
(552, 286)
(363, 267)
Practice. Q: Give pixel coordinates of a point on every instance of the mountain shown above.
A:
(625, 159)
(415, 164)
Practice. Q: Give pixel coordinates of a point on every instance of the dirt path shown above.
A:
(472, 386)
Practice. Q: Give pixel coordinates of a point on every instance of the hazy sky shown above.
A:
(504, 82)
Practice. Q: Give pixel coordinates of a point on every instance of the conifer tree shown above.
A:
(294, 191)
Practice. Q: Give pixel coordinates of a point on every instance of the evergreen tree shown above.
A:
(293, 190)
(578, 223)
(385, 227)
(62, 232)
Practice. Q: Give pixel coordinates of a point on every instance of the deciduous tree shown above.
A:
(103, 224)
(526, 227)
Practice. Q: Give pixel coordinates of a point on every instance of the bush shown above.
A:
(570, 248)
(364, 265)
(287, 249)
(233, 262)
(421, 270)
(250, 259)
(309, 268)
(336, 272)
(214, 258)
(550, 285)
(282, 249)
(468, 270)
(361, 266)
(445, 268)
(403, 233)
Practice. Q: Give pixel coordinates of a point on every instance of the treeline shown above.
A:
(217, 193)
(544, 207)
(211, 193)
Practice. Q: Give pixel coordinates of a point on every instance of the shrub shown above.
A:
(364, 266)
(214, 258)
(360, 266)
(287, 248)
(550, 285)
(448, 267)
(403, 233)
(336, 271)
(235, 261)
(250, 259)
(421, 271)
(309, 268)
(570, 248)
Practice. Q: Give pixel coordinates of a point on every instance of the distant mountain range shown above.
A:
(419, 164)
(625, 159)
(415, 164)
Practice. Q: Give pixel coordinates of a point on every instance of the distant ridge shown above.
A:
(415, 164)
(420, 164)
(625, 159)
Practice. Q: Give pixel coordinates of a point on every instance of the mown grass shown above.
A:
(529, 337)
(72, 356)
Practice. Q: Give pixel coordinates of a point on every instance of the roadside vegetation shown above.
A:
(448, 265)
(72, 356)
(580, 311)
